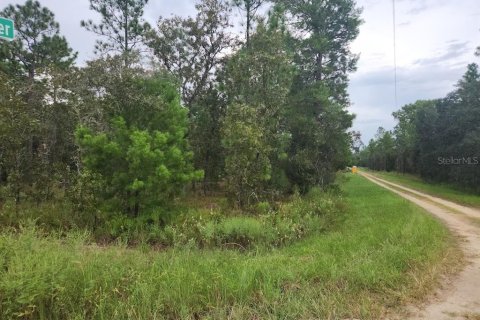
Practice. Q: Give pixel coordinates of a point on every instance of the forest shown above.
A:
(186, 107)
(436, 139)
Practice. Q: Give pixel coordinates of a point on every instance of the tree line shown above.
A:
(436, 139)
(184, 104)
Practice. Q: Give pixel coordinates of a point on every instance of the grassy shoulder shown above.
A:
(439, 190)
(384, 253)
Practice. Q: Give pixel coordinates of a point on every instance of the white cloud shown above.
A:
(435, 42)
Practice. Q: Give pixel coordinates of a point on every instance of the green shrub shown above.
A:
(172, 236)
(144, 159)
(120, 227)
(83, 193)
(263, 207)
(208, 234)
(293, 220)
(48, 215)
(243, 231)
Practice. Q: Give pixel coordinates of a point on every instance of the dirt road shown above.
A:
(459, 298)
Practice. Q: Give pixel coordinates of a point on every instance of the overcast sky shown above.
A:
(436, 39)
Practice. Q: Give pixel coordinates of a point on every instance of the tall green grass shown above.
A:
(445, 191)
(385, 252)
(189, 224)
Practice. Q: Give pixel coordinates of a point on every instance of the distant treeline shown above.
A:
(437, 139)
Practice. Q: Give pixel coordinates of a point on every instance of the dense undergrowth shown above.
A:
(193, 225)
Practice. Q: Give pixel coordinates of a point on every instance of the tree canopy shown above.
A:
(438, 139)
(162, 107)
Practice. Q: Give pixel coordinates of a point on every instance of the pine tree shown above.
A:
(122, 26)
(250, 7)
(143, 159)
(38, 43)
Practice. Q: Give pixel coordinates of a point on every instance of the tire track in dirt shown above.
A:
(459, 297)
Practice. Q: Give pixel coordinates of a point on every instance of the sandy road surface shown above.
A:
(459, 297)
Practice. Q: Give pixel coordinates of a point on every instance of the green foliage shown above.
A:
(34, 142)
(241, 231)
(221, 228)
(317, 116)
(254, 136)
(262, 74)
(206, 136)
(263, 207)
(247, 164)
(143, 163)
(250, 7)
(83, 194)
(437, 139)
(16, 126)
(380, 153)
(191, 48)
(122, 25)
(406, 135)
(320, 141)
(37, 44)
(113, 136)
(324, 55)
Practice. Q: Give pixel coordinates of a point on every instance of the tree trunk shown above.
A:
(136, 209)
(248, 7)
(125, 53)
(207, 158)
(319, 72)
